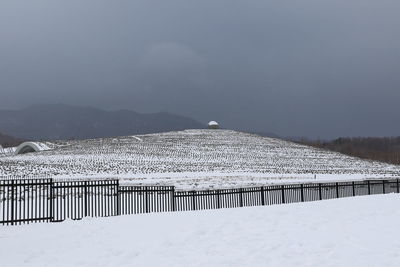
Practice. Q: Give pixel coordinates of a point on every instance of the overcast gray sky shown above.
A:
(316, 68)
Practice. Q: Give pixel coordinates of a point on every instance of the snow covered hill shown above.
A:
(193, 159)
(358, 231)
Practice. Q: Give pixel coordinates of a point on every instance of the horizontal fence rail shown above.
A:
(48, 200)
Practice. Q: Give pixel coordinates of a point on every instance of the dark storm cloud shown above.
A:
(307, 68)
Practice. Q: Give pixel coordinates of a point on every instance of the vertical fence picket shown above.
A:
(383, 187)
(241, 197)
(172, 194)
(320, 191)
(337, 190)
(118, 199)
(85, 197)
(193, 200)
(397, 186)
(262, 196)
(12, 202)
(302, 192)
(369, 187)
(50, 201)
(218, 199)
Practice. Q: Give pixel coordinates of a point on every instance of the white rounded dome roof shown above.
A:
(212, 123)
(31, 147)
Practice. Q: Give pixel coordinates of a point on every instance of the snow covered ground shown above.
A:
(359, 231)
(193, 159)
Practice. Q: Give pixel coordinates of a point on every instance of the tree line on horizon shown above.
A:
(384, 149)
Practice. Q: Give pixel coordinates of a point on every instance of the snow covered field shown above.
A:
(193, 159)
(359, 231)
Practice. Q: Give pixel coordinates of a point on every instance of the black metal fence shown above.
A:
(47, 200)
(25, 201)
(145, 199)
(78, 199)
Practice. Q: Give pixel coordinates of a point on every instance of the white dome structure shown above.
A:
(29, 147)
(213, 125)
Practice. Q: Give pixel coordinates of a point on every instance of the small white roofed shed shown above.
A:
(213, 125)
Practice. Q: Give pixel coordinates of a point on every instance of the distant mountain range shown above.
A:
(59, 121)
(9, 141)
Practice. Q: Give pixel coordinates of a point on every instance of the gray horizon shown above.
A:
(318, 69)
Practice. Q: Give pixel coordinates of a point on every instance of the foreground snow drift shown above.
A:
(357, 231)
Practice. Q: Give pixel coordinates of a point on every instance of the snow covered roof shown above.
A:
(212, 123)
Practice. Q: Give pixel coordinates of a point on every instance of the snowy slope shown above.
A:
(8, 151)
(358, 231)
(194, 158)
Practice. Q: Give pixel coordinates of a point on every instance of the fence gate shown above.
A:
(25, 200)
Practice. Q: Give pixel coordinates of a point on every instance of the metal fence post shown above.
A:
(262, 196)
(397, 185)
(118, 199)
(369, 187)
(52, 199)
(12, 202)
(86, 198)
(354, 189)
(337, 190)
(241, 197)
(283, 193)
(218, 199)
(147, 201)
(383, 187)
(302, 192)
(173, 199)
(320, 191)
(193, 200)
